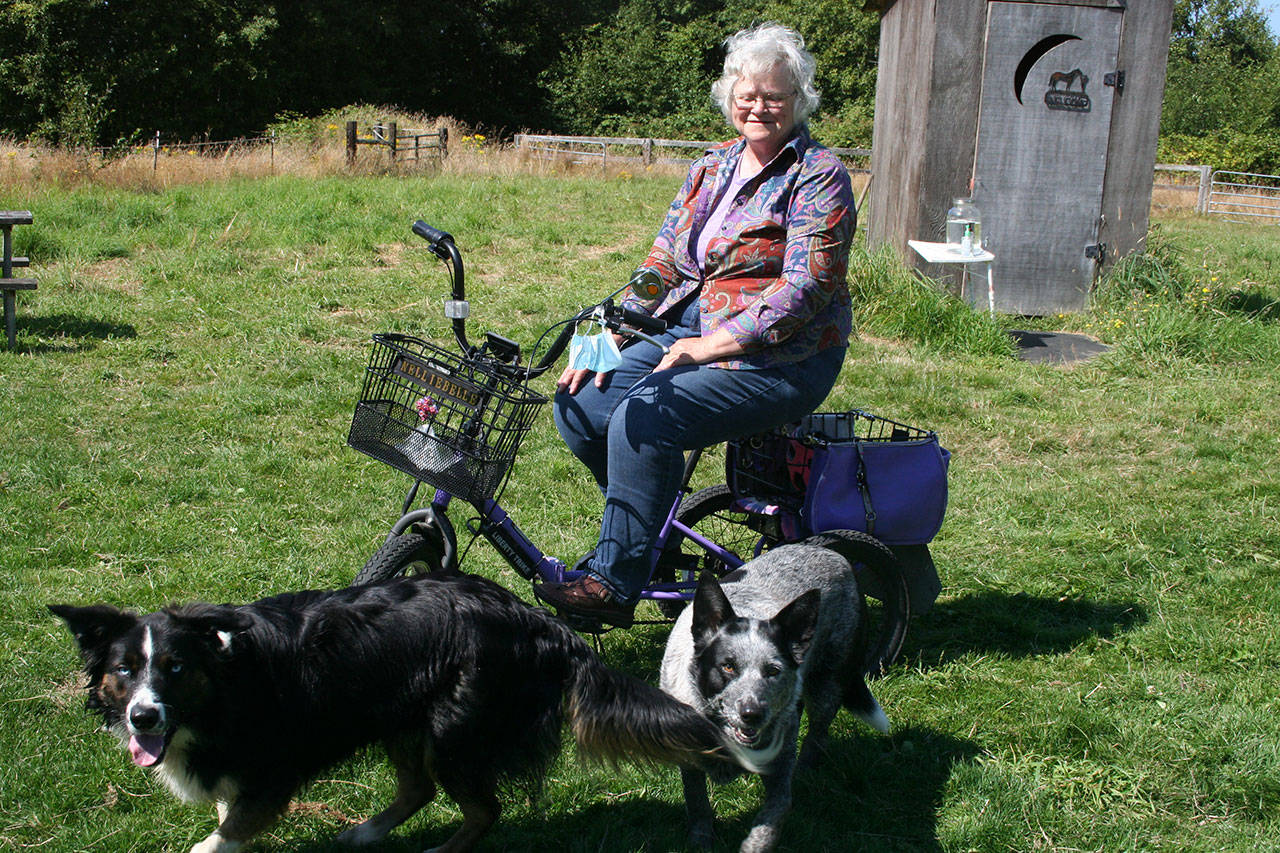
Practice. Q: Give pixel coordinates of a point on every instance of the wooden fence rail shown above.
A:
(601, 149)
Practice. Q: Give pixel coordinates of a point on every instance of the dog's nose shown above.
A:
(144, 718)
(752, 711)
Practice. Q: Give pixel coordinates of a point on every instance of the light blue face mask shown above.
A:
(598, 353)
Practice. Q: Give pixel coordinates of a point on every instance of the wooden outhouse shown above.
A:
(1045, 113)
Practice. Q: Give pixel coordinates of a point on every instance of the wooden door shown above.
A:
(1043, 127)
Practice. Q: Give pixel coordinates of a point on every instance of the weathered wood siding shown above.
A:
(929, 108)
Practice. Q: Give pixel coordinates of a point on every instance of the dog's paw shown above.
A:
(216, 843)
(701, 835)
(760, 840)
(362, 835)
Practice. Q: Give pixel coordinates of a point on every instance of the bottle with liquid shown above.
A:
(964, 220)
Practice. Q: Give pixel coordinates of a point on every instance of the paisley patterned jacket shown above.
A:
(775, 274)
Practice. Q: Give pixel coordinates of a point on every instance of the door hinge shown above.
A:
(1098, 252)
(1114, 78)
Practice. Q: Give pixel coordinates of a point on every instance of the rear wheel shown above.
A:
(876, 567)
(710, 513)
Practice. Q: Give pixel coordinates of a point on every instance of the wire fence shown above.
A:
(1235, 196)
(161, 147)
(601, 150)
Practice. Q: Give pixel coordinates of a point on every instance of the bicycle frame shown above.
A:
(501, 531)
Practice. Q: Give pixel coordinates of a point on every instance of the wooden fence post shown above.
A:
(391, 139)
(1202, 194)
(646, 149)
(351, 143)
(444, 142)
(155, 152)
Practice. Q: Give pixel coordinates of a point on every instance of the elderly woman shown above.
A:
(752, 258)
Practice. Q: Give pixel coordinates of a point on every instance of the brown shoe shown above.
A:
(586, 596)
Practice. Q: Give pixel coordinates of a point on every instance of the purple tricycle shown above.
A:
(454, 420)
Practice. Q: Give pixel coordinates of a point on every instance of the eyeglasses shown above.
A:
(770, 100)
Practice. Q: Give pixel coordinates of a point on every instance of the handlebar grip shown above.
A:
(644, 322)
(434, 236)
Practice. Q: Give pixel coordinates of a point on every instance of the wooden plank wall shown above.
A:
(1135, 126)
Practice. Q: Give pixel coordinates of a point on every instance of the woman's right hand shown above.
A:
(571, 380)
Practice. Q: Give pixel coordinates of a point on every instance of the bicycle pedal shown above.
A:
(584, 624)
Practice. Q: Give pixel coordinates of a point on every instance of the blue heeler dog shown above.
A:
(787, 626)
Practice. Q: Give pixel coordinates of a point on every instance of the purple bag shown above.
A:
(894, 490)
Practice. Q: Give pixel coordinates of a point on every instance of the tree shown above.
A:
(1222, 64)
(93, 71)
(649, 68)
(98, 71)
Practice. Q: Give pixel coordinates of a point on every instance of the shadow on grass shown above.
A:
(1254, 304)
(1015, 626)
(68, 333)
(870, 793)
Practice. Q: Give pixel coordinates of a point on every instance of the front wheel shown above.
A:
(407, 554)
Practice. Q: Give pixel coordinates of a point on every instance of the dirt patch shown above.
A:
(114, 274)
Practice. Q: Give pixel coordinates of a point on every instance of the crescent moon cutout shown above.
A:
(1032, 56)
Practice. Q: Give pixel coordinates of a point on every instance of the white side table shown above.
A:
(950, 253)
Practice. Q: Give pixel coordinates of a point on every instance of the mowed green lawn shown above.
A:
(1100, 673)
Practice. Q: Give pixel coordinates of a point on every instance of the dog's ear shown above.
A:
(796, 623)
(94, 628)
(711, 608)
(217, 624)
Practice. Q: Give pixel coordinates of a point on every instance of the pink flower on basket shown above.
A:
(426, 408)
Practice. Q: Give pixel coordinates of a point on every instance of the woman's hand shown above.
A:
(571, 380)
(701, 350)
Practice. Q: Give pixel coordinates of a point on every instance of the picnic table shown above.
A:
(8, 283)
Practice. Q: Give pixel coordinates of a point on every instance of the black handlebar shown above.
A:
(442, 246)
(434, 236)
(644, 322)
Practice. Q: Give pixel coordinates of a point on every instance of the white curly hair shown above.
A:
(756, 51)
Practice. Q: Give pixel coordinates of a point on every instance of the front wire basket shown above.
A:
(772, 468)
(452, 422)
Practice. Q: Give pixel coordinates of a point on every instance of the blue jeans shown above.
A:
(632, 434)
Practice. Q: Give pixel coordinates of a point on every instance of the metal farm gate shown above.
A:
(1245, 197)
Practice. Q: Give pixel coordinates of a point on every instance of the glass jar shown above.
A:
(964, 225)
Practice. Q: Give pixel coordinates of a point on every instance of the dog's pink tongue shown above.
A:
(146, 749)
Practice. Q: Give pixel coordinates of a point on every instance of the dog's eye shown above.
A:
(124, 671)
(729, 667)
(772, 670)
(175, 667)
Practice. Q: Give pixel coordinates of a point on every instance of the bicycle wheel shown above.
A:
(406, 554)
(870, 555)
(710, 512)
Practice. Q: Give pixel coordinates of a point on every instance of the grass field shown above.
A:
(1100, 673)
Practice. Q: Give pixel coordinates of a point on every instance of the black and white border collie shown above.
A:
(465, 685)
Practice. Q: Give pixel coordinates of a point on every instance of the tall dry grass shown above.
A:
(307, 148)
(316, 147)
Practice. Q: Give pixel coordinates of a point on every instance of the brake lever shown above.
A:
(611, 319)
